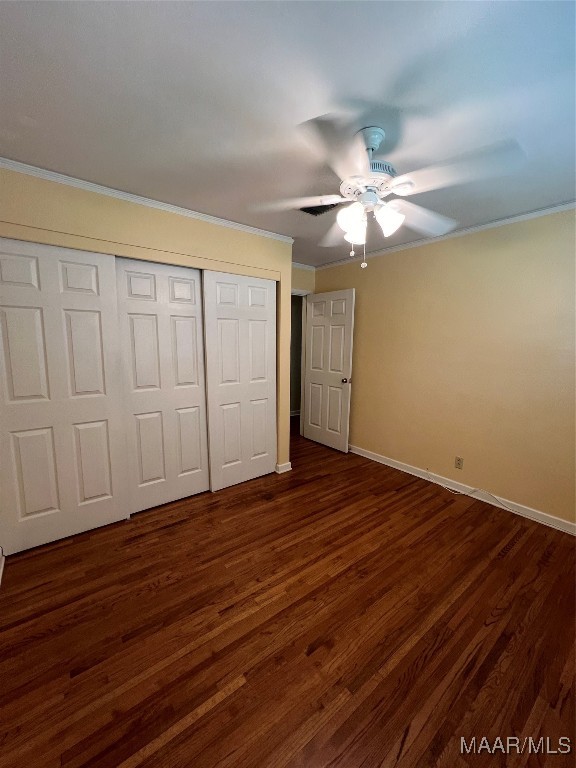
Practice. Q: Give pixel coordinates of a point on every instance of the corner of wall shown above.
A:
(303, 278)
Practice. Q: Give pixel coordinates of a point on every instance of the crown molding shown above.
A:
(70, 181)
(458, 233)
(308, 267)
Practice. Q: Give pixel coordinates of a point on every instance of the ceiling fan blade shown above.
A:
(422, 220)
(496, 160)
(333, 237)
(300, 202)
(353, 160)
(346, 156)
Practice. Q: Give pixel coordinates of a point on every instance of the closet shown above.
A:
(160, 318)
(240, 317)
(124, 385)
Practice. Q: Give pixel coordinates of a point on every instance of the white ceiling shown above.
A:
(198, 103)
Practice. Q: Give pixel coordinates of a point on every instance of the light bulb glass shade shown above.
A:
(351, 217)
(357, 235)
(389, 219)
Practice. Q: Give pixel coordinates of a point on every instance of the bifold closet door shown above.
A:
(62, 454)
(240, 318)
(160, 314)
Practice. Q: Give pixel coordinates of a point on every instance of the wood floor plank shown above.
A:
(341, 615)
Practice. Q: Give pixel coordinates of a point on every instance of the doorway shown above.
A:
(296, 358)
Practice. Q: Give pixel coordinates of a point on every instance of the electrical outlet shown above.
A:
(458, 462)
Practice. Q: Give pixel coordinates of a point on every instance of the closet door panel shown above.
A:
(240, 317)
(62, 445)
(160, 314)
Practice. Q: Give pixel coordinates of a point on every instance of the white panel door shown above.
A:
(160, 313)
(62, 446)
(240, 316)
(328, 367)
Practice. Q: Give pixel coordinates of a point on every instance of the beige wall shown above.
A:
(44, 211)
(466, 347)
(303, 279)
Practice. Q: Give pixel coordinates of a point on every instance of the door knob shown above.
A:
(344, 381)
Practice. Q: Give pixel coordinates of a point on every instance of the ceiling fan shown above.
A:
(367, 182)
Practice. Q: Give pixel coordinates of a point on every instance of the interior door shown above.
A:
(160, 313)
(240, 316)
(62, 448)
(328, 367)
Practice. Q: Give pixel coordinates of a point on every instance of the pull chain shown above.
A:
(364, 264)
(352, 254)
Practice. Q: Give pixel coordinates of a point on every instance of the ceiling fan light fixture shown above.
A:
(351, 217)
(356, 235)
(389, 219)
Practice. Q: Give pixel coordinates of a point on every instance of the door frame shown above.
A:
(303, 293)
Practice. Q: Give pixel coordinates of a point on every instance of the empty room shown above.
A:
(287, 384)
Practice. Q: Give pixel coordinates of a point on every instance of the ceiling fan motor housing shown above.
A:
(379, 179)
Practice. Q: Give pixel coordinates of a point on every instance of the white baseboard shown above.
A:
(294, 413)
(2, 561)
(532, 514)
(281, 468)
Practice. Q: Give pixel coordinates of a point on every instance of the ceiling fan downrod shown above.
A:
(373, 137)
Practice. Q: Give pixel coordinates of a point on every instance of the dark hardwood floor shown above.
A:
(343, 614)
